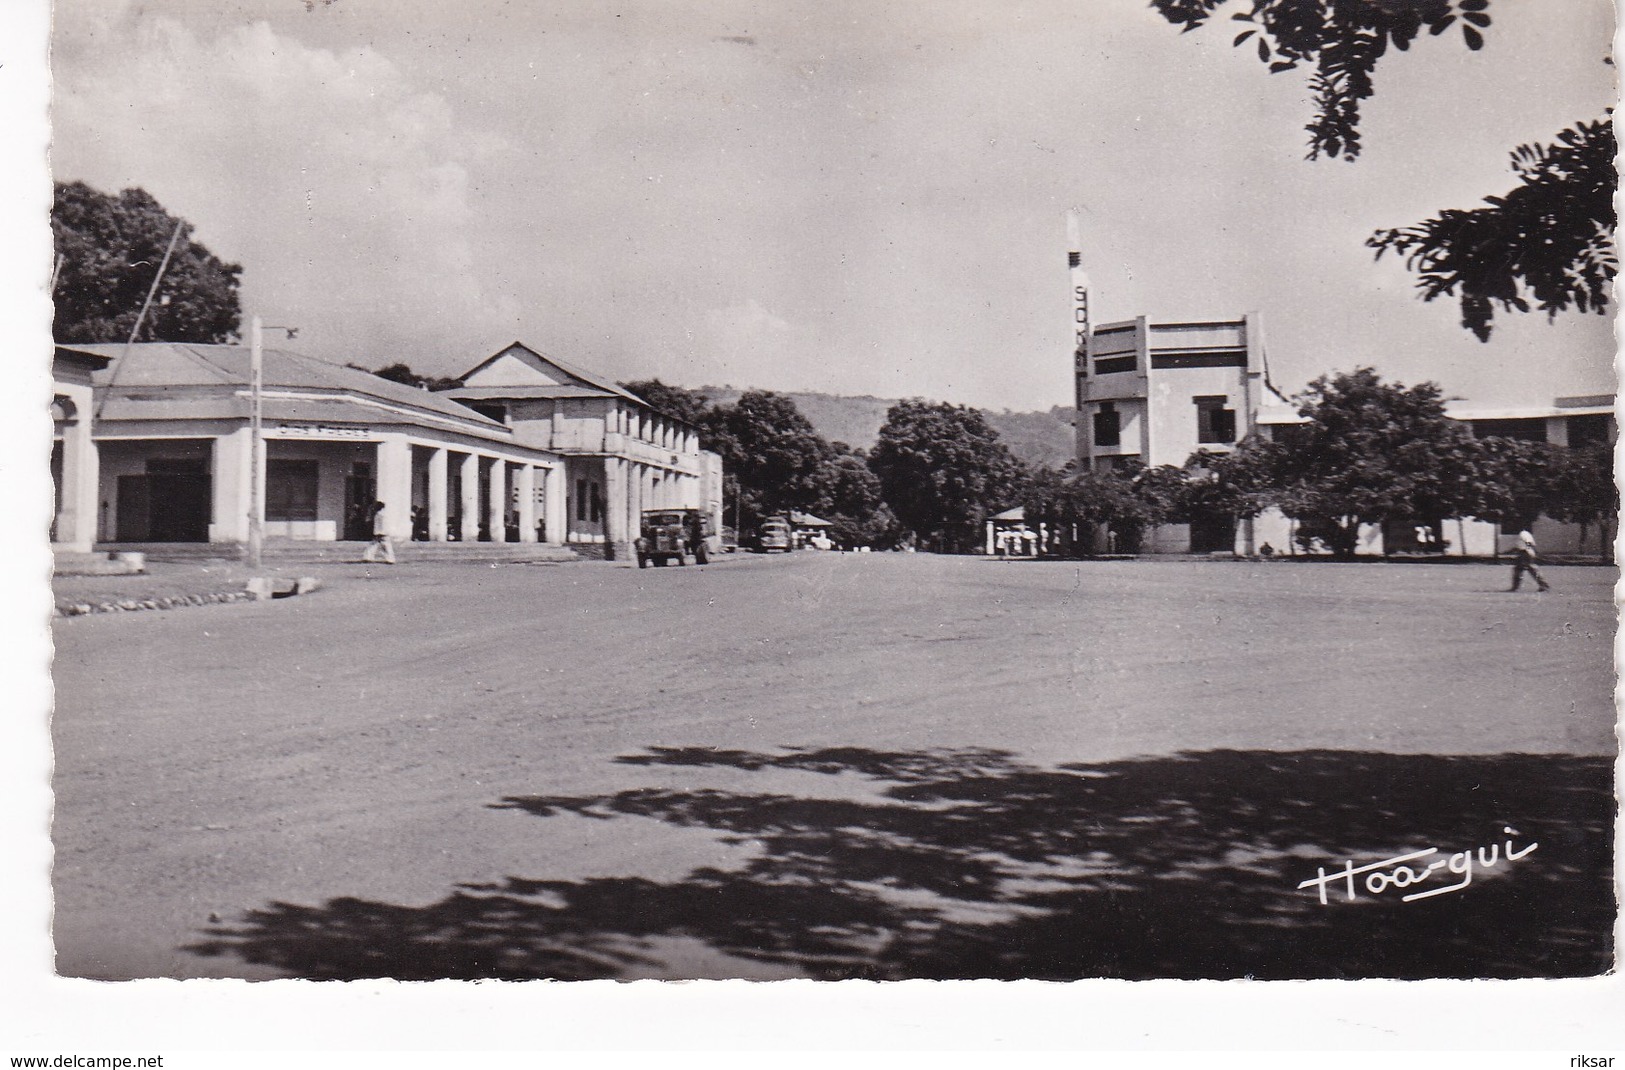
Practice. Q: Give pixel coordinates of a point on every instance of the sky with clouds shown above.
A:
(814, 194)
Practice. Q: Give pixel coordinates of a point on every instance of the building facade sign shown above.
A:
(293, 430)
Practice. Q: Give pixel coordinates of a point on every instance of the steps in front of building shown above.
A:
(74, 563)
(278, 553)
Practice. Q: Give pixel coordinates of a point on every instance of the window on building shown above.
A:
(1531, 429)
(597, 503)
(491, 410)
(291, 489)
(1215, 422)
(1108, 425)
(1293, 436)
(1589, 430)
(581, 499)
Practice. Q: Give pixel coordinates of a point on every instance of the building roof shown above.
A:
(479, 393)
(1279, 414)
(582, 380)
(184, 380)
(807, 520)
(1592, 405)
(80, 358)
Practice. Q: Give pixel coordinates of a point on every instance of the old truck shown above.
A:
(674, 535)
(775, 534)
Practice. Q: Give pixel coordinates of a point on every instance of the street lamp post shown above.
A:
(256, 432)
(256, 464)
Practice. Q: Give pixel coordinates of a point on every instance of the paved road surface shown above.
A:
(831, 765)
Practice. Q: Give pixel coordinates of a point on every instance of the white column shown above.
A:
(437, 494)
(637, 501)
(76, 502)
(87, 487)
(555, 504)
(469, 493)
(526, 492)
(230, 464)
(618, 488)
(496, 506)
(394, 465)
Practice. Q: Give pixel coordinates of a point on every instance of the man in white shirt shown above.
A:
(1523, 560)
(381, 548)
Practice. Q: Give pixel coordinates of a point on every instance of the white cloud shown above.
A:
(341, 187)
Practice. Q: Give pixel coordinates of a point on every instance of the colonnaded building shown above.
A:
(1158, 392)
(154, 444)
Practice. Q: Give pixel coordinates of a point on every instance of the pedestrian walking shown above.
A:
(380, 549)
(1523, 560)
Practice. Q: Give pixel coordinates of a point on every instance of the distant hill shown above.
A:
(1038, 438)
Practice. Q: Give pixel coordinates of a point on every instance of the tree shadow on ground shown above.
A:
(971, 864)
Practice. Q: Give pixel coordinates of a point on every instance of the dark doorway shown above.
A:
(132, 509)
(1211, 533)
(360, 491)
(56, 484)
(1407, 536)
(292, 489)
(170, 502)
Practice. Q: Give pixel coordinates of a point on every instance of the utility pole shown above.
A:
(152, 291)
(256, 464)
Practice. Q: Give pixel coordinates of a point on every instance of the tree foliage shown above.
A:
(1547, 244)
(1550, 238)
(1583, 490)
(770, 449)
(1366, 453)
(1237, 485)
(1514, 480)
(1370, 452)
(775, 462)
(850, 499)
(942, 470)
(1519, 481)
(400, 372)
(1073, 505)
(677, 402)
(109, 250)
(1343, 40)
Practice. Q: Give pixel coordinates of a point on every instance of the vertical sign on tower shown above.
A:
(1080, 301)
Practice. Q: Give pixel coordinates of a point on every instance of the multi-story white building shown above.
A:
(173, 439)
(1158, 392)
(1573, 422)
(529, 450)
(620, 455)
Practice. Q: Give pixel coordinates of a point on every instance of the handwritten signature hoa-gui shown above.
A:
(1396, 873)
